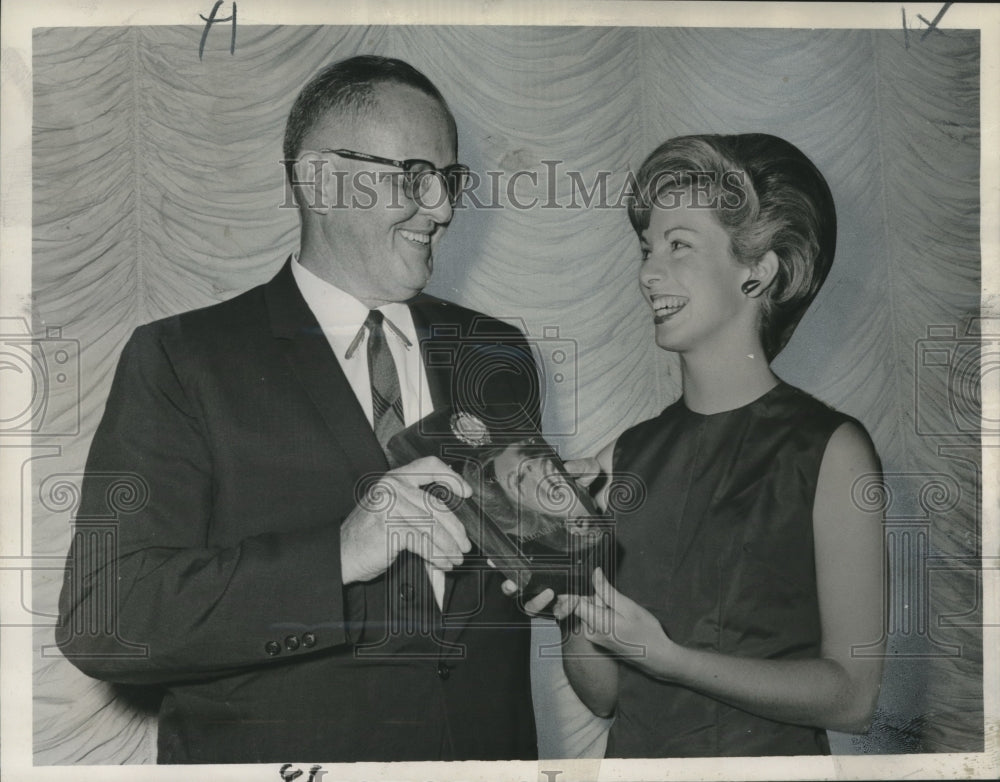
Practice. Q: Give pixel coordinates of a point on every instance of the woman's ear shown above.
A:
(316, 182)
(765, 270)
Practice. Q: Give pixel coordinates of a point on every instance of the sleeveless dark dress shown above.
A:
(721, 552)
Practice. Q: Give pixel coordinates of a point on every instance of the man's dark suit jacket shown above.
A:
(230, 451)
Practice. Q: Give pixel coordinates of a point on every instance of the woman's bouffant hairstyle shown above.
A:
(768, 196)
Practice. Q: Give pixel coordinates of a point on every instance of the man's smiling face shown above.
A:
(380, 241)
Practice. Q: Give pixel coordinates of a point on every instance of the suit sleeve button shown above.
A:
(272, 648)
(444, 671)
(308, 640)
(291, 642)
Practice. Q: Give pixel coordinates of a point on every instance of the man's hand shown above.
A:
(397, 514)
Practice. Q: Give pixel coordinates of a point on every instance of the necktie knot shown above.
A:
(374, 319)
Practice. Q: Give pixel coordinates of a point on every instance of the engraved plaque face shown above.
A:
(527, 491)
(526, 516)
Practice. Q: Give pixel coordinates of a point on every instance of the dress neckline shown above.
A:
(762, 399)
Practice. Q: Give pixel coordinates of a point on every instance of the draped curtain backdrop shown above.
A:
(158, 188)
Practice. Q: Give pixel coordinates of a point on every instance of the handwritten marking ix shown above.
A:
(932, 26)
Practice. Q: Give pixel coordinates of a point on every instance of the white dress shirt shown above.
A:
(342, 317)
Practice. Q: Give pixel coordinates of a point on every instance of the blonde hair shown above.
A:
(768, 196)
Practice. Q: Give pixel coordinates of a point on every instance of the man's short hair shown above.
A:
(768, 196)
(348, 87)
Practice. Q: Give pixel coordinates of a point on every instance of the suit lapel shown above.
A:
(317, 368)
(439, 339)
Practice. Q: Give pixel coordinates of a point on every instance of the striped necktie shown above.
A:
(387, 401)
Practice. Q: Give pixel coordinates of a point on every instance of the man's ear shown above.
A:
(316, 183)
(765, 270)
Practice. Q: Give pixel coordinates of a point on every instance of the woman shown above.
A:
(747, 614)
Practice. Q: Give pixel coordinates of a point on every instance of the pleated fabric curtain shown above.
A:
(158, 188)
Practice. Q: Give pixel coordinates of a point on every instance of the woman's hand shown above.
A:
(588, 469)
(617, 623)
(561, 606)
(584, 471)
(591, 670)
(535, 605)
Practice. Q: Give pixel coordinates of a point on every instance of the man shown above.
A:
(289, 607)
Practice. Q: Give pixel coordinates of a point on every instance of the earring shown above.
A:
(749, 287)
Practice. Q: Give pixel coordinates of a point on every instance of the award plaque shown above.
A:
(526, 516)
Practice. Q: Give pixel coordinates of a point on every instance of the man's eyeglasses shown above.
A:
(417, 174)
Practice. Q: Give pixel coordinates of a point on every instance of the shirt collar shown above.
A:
(339, 312)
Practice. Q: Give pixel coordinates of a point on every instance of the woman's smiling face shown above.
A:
(690, 278)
